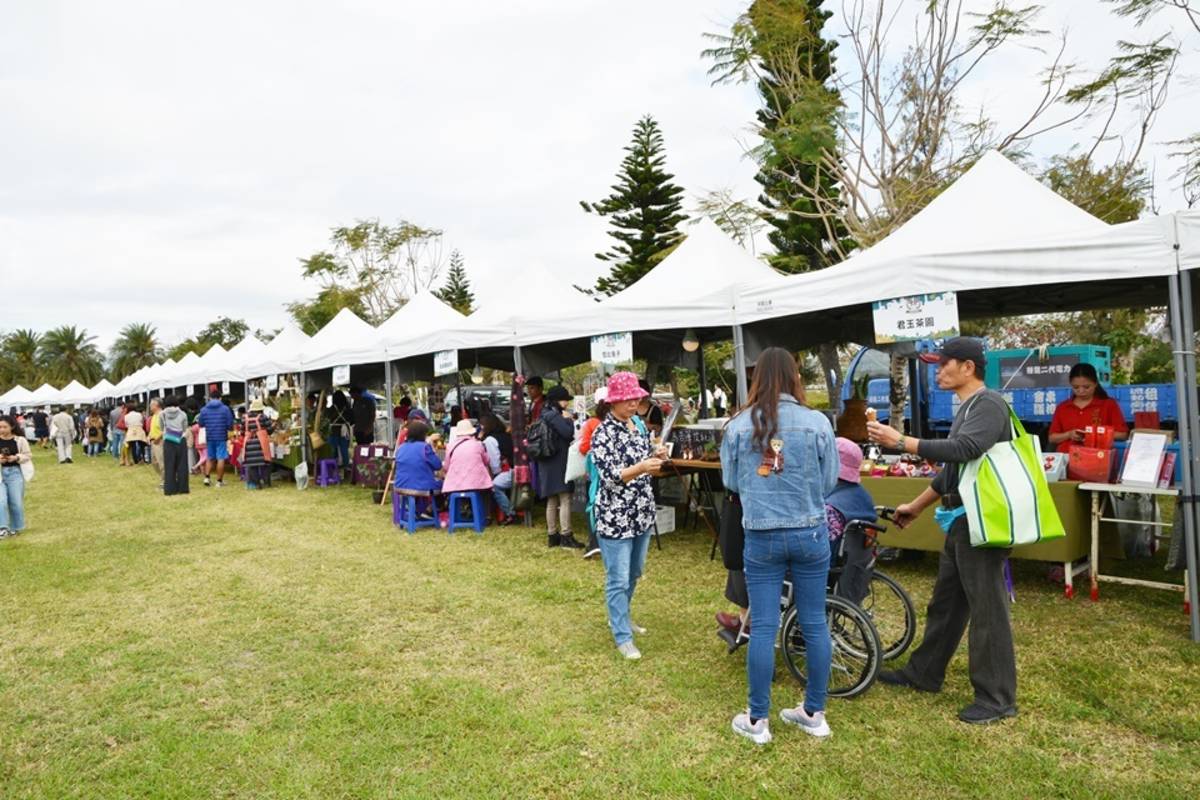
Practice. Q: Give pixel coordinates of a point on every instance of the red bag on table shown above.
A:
(1100, 437)
(1090, 465)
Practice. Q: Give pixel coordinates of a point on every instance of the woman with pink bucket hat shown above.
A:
(779, 457)
(624, 507)
(850, 502)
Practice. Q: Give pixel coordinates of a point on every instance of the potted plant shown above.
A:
(852, 423)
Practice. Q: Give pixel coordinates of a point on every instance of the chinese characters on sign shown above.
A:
(445, 362)
(922, 316)
(341, 375)
(613, 348)
(272, 383)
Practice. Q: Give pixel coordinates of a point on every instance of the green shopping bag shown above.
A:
(1005, 494)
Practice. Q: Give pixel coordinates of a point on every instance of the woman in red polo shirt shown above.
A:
(1091, 406)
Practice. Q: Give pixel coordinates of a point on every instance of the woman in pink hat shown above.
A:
(850, 502)
(624, 507)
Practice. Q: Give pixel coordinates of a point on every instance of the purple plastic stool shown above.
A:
(327, 472)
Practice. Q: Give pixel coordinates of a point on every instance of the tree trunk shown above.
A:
(831, 369)
(898, 392)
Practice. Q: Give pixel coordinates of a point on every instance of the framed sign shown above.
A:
(922, 316)
(613, 348)
(1144, 458)
(341, 375)
(272, 383)
(445, 362)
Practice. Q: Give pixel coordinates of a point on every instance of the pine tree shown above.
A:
(646, 209)
(457, 291)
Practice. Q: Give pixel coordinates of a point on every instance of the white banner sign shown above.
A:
(613, 348)
(445, 362)
(272, 383)
(922, 316)
(224, 387)
(341, 375)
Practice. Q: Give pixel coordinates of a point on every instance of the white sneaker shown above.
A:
(638, 629)
(629, 650)
(759, 733)
(812, 724)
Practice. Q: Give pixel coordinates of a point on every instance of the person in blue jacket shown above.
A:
(216, 418)
(416, 463)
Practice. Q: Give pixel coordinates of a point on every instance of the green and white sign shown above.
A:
(445, 362)
(921, 316)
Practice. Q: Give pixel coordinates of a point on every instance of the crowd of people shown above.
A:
(796, 485)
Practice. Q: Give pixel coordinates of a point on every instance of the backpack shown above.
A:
(539, 441)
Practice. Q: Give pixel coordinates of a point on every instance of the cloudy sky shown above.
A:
(171, 162)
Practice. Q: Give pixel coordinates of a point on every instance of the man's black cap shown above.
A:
(961, 348)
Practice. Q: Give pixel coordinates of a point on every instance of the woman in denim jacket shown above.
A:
(780, 458)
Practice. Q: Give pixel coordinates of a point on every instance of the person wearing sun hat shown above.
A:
(466, 461)
(256, 456)
(624, 507)
(850, 502)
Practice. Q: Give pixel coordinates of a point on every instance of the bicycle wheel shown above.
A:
(857, 652)
(890, 610)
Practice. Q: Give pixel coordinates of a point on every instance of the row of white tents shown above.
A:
(1006, 244)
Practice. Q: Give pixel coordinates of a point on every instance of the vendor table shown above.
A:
(684, 468)
(1102, 492)
(924, 533)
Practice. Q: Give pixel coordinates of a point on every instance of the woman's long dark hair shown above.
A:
(602, 409)
(775, 373)
(1082, 370)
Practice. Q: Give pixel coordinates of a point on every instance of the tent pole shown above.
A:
(517, 366)
(1187, 400)
(703, 384)
(1189, 385)
(391, 419)
(303, 420)
(739, 365)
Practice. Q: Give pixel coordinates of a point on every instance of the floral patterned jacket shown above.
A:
(623, 510)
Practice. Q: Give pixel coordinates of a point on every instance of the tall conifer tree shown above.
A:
(646, 209)
(457, 291)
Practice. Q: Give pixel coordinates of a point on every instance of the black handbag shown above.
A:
(732, 535)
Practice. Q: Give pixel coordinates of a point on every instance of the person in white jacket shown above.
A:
(62, 431)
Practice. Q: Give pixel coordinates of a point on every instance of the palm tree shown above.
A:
(136, 347)
(71, 354)
(20, 360)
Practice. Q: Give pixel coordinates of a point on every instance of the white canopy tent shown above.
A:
(280, 355)
(245, 352)
(17, 396)
(75, 393)
(102, 390)
(44, 395)
(345, 339)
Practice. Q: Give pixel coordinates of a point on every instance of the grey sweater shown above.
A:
(980, 423)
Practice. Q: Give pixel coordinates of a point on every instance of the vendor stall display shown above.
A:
(372, 462)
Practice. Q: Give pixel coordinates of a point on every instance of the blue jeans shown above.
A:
(341, 449)
(502, 502)
(769, 555)
(12, 498)
(114, 443)
(624, 560)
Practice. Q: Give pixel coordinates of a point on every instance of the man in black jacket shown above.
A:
(363, 412)
(970, 584)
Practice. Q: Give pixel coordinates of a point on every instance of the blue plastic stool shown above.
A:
(404, 510)
(477, 519)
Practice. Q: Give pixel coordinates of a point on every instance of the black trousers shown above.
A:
(855, 580)
(175, 468)
(969, 589)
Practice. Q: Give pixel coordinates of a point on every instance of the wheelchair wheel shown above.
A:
(857, 652)
(890, 610)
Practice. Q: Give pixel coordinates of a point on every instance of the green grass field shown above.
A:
(284, 644)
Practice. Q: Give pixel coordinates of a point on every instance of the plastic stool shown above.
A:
(327, 472)
(477, 519)
(404, 510)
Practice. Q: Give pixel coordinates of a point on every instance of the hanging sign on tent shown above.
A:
(613, 348)
(445, 362)
(341, 375)
(922, 316)
(224, 387)
(272, 383)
